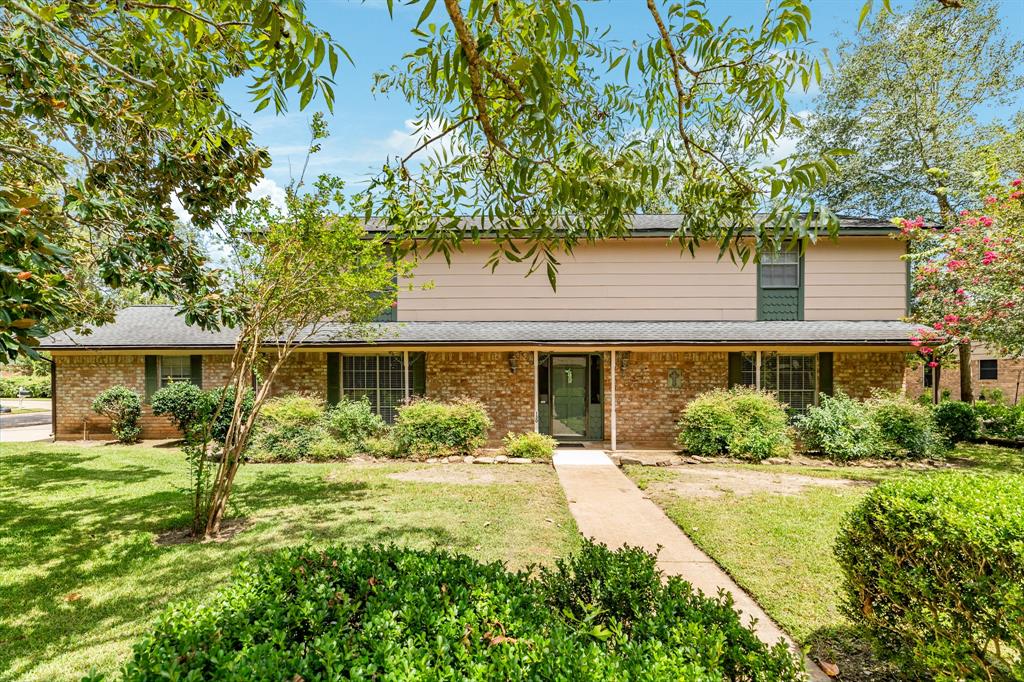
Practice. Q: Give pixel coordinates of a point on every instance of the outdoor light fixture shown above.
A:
(624, 359)
(512, 362)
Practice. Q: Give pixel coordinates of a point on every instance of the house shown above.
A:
(990, 373)
(635, 329)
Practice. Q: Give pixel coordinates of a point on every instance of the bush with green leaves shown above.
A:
(186, 405)
(934, 571)
(395, 613)
(997, 419)
(740, 422)
(531, 445)
(955, 421)
(839, 428)
(291, 428)
(353, 421)
(905, 428)
(430, 427)
(123, 407)
(37, 386)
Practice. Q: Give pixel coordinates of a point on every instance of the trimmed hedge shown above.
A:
(934, 571)
(394, 614)
(428, 427)
(956, 422)
(740, 422)
(38, 386)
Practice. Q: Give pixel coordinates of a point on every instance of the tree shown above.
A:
(307, 272)
(108, 110)
(969, 277)
(543, 129)
(906, 97)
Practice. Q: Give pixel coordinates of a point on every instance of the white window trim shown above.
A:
(176, 378)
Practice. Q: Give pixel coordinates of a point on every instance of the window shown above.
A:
(989, 369)
(793, 378)
(378, 378)
(175, 369)
(780, 270)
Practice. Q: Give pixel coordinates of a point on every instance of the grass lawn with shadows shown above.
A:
(82, 574)
(775, 539)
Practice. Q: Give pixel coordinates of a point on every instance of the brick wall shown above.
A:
(487, 377)
(857, 373)
(1010, 379)
(304, 373)
(647, 407)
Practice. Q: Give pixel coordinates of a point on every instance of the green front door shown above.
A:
(569, 396)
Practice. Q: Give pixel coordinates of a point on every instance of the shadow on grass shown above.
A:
(82, 572)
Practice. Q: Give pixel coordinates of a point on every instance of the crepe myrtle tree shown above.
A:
(968, 282)
(307, 271)
(108, 111)
(547, 132)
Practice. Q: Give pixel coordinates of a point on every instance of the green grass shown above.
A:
(779, 547)
(82, 576)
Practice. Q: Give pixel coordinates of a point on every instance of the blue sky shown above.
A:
(365, 129)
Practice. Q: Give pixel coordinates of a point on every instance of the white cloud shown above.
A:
(414, 133)
(786, 145)
(264, 188)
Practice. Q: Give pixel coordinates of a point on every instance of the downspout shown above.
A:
(53, 399)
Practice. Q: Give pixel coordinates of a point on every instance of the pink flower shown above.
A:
(951, 318)
(955, 265)
(964, 213)
(938, 325)
(985, 221)
(927, 351)
(1017, 182)
(915, 342)
(989, 200)
(1017, 195)
(933, 364)
(990, 257)
(959, 292)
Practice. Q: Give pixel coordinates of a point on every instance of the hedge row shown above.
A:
(38, 386)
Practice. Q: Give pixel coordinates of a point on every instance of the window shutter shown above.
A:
(735, 369)
(825, 381)
(418, 370)
(333, 378)
(152, 379)
(197, 370)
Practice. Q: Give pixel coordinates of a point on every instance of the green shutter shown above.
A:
(418, 372)
(735, 369)
(197, 370)
(333, 378)
(825, 381)
(152, 379)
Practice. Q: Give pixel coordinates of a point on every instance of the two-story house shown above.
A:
(635, 329)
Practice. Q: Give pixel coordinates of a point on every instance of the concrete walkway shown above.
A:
(609, 508)
(25, 434)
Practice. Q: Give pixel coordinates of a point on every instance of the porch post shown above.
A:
(536, 392)
(757, 370)
(614, 435)
(405, 374)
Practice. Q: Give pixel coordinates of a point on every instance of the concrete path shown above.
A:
(24, 434)
(609, 508)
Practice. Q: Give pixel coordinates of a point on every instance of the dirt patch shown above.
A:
(183, 536)
(469, 474)
(699, 482)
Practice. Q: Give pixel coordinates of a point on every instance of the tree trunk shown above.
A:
(966, 386)
(936, 377)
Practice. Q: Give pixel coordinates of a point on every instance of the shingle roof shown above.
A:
(664, 224)
(154, 327)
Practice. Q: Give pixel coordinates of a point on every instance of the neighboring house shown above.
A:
(635, 329)
(990, 372)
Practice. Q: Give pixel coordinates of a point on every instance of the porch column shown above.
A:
(405, 374)
(536, 392)
(614, 439)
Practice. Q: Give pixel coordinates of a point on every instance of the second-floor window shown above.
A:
(780, 291)
(780, 270)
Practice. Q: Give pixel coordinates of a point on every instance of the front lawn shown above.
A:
(83, 571)
(773, 529)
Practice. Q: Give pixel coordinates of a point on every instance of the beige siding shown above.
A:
(642, 279)
(856, 278)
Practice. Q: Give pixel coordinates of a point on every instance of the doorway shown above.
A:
(570, 395)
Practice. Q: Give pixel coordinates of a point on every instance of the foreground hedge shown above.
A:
(934, 569)
(397, 614)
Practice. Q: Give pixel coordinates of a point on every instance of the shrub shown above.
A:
(956, 421)
(353, 421)
(219, 429)
(999, 420)
(840, 428)
(530, 444)
(428, 427)
(740, 422)
(393, 613)
(286, 429)
(123, 407)
(37, 386)
(934, 570)
(187, 406)
(381, 446)
(904, 427)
